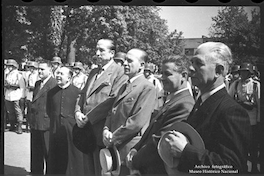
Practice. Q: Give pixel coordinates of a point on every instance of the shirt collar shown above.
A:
(45, 80)
(171, 95)
(135, 77)
(107, 65)
(208, 94)
(65, 86)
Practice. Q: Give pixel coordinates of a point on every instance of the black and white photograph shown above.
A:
(130, 89)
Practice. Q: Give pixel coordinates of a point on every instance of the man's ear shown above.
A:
(219, 70)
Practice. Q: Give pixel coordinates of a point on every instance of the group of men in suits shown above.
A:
(130, 122)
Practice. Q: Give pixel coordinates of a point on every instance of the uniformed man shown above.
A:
(56, 64)
(148, 72)
(14, 85)
(79, 79)
(246, 91)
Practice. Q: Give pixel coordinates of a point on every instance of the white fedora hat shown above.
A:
(110, 161)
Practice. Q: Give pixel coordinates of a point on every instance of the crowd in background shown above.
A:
(52, 98)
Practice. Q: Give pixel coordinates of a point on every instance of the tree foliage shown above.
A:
(71, 32)
(233, 27)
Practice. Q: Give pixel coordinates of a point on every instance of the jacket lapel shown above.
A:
(44, 89)
(207, 108)
(104, 79)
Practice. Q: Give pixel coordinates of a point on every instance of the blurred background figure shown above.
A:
(256, 75)
(119, 58)
(149, 74)
(79, 79)
(56, 64)
(13, 93)
(234, 74)
(246, 91)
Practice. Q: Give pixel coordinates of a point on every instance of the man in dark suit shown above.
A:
(64, 158)
(222, 123)
(132, 108)
(179, 103)
(39, 120)
(102, 84)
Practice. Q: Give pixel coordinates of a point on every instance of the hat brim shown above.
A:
(189, 132)
(110, 160)
(84, 138)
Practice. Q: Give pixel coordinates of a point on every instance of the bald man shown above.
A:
(132, 108)
(63, 158)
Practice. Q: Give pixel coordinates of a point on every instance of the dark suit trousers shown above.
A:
(39, 150)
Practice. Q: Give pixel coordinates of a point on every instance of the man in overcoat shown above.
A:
(178, 105)
(39, 120)
(221, 122)
(103, 83)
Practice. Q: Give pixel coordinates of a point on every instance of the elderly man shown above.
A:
(103, 83)
(64, 157)
(179, 103)
(132, 108)
(39, 120)
(221, 122)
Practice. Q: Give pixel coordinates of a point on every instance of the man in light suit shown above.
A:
(132, 108)
(179, 103)
(221, 122)
(39, 120)
(102, 83)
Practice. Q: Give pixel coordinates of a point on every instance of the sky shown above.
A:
(192, 21)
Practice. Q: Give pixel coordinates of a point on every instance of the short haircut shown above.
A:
(45, 62)
(181, 62)
(111, 46)
(219, 53)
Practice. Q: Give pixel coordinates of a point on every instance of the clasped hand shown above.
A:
(177, 142)
(81, 119)
(107, 137)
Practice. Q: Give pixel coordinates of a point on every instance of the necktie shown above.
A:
(196, 106)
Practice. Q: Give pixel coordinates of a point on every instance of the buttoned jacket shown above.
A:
(39, 117)
(225, 129)
(131, 113)
(147, 159)
(97, 91)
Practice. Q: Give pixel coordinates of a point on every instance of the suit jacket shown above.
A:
(97, 91)
(39, 117)
(147, 159)
(131, 113)
(225, 129)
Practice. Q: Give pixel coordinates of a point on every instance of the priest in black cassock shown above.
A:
(63, 158)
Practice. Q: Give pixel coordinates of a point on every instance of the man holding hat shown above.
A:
(102, 84)
(220, 121)
(56, 64)
(132, 109)
(79, 79)
(179, 103)
(246, 91)
(14, 85)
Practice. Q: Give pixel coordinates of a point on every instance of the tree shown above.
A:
(233, 27)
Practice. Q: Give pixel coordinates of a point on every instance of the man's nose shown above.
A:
(192, 70)
(97, 53)
(125, 62)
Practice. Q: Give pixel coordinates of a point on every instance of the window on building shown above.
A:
(189, 51)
